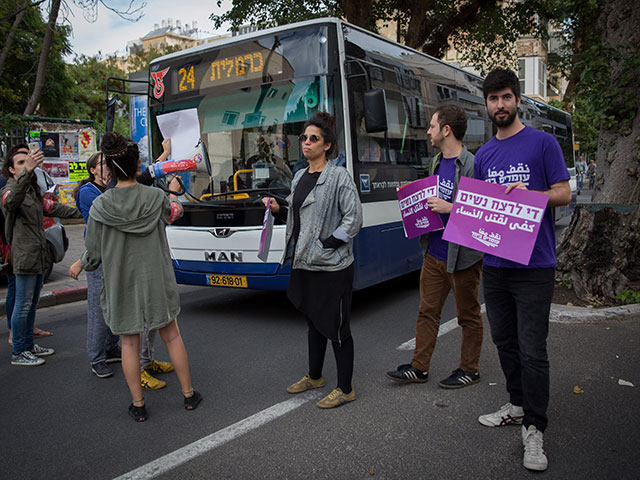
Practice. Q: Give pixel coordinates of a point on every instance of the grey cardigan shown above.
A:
(458, 257)
(331, 208)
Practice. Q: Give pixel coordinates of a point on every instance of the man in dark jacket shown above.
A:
(447, 265)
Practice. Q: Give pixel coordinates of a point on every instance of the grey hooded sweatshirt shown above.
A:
(126, 233)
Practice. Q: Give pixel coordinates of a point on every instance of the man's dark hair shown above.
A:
(455, 117)
(8, 158)
(499, 79)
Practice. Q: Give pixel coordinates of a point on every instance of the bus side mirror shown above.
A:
(375, 111)
(111, 113)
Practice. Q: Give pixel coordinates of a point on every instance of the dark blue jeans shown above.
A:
(11, 298)
(518, 302)
(24, 311)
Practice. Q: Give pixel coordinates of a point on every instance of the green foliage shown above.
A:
(610, 105)
(140, 60)
(483, 30)
(89, 76)
(265, 13)
(628, 297)
(19, 73)
(564, 281)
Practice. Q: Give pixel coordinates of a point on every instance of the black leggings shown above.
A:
(343, 352)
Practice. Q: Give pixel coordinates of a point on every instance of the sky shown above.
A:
(110, 33)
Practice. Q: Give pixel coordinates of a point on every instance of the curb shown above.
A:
(569, 314)
(56, 297)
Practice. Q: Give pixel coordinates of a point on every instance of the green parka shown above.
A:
(126, 233)
(24, 210)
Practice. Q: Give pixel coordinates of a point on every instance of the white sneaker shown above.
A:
(534, 457)
(507, 414)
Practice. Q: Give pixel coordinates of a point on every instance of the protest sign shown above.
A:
(484, 218)
(265, 236)
(417, 218)
(77, 171)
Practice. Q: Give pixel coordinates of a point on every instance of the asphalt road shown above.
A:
(60, 421)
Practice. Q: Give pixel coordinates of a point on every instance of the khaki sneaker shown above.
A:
(305, 383)
(150, 383)
(159, 367)
(336, 398)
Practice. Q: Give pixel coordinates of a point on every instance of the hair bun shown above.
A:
(112, 143)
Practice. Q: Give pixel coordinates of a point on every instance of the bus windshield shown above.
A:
(250, 114)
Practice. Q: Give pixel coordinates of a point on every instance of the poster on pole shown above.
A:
(417, 218)
(484, 218)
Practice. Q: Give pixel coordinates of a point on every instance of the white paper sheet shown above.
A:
(184, 130)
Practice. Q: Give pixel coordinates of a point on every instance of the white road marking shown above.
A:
(210, 442)
(446, 327)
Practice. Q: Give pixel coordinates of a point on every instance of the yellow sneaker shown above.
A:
(150, 383)
(336, 398)
(305, 383)
(159, 367)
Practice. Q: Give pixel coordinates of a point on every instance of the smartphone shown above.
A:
(34, 146)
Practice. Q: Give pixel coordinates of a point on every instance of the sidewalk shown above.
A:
(60, 287)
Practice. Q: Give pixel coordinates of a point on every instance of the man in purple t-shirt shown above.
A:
(518, 298)
(446, 265)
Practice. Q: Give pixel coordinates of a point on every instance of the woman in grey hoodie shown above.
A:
(126, 233)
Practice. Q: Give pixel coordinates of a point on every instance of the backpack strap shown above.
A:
(434, 161)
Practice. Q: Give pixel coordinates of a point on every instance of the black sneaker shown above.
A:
(459, 378)
(101, 369)
(114, 355)
(408, 374)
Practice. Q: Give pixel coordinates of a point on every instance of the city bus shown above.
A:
(253, 93)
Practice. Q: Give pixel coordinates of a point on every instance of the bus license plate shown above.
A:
(227, 281)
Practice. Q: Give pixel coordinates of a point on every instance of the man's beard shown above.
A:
(504, 122)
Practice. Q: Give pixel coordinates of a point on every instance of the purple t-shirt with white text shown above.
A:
(438, 247)
(534, 158)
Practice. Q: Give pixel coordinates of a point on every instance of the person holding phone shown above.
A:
(23, 208)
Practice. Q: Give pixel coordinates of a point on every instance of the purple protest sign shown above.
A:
(267, 233)
(484, 218)
(416, 216)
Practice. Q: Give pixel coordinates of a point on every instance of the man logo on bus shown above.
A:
(158, 89)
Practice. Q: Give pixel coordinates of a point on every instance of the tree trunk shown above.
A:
(44, 55)
(618, 155)
(12, 34)
(600, 250)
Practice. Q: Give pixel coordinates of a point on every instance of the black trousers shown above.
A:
(518, 302)
(343, 352)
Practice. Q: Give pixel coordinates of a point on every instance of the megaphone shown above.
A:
(162, 169)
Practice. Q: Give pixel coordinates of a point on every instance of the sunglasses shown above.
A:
(312, 138)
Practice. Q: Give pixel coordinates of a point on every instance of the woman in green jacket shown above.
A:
(23, 208)
(126, 234)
